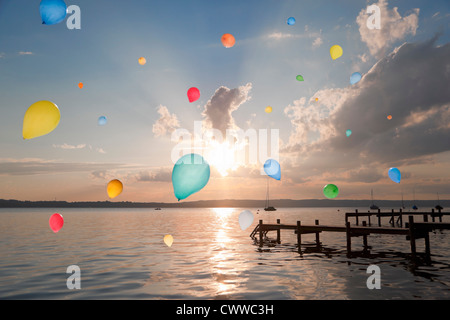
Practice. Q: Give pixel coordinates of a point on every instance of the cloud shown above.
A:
(411, 84)
(217, 111)
(167, 122)
(317, 42)
(2, 55)
(161, 175)
(68, 146)
(25, 53)
(394, 27)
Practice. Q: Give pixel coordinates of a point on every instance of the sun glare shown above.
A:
(221, 156)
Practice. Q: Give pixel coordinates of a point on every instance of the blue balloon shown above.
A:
(291, 21)
(394, 174)
(189, 175)
(52, 11)
(272, 169)
(355, 77)
(102, 120)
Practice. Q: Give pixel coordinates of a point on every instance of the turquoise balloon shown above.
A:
(348, 132)
(272, 169)
(189, 175)
(395, 175)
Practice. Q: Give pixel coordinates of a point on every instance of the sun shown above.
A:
(221, 156)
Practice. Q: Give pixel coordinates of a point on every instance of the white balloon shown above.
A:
(245, 219)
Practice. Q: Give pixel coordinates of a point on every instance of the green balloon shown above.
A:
(189, 175)
(299, 78)
(330, 191)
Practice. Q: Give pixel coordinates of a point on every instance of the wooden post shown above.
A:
(400, 218)
(412, 238)
(364, 236)
(392, 221)
(349, 238)
(278, 232)
(432, 215)
(379, 218)
(299, 237)
(317, 234)
(369, 219)
(440, 215)
(260, 233)
(425, 217)
(357, 220)
(427, 244)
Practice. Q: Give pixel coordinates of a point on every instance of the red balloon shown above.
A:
(56, 222)
(193, 94)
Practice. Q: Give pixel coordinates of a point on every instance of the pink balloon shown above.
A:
(193, 94)
(56, 222)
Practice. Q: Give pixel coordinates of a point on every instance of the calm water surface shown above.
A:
(122, 255)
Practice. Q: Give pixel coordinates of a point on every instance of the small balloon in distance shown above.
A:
(245, 219)
(389, 117)
(299, 78)
(41, 118)
(330, 191)
(193, 94)
(336, 52)
(291, 21)
(102, 120)
(114, 188)
(228, 40)
(52, 11)
(56, 222)
(355, 77)
(272, 169)
(80, 85)
(142, 61)
(268, 109)
(394, 174)
(168, 240)
(348, 132)
(317, 99)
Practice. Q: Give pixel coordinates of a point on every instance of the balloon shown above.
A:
(228, 40)
(56, 222)
(42, 117)
(355, 77)
(193, 94)
(299, 78)
(245, 219)
(394, 174)
(317, 99)
(168, 240)
(189, 175)
(348, 132)
(52, 11)
(335, 52)
(291, 21)
(102, 120)
(389, 117)
(268, 109)
(80, 85)
(142, 61)
(114, 188)
(272, 169)
(330, 191)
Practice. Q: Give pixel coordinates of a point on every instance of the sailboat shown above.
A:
(373, 206)
(414, 197)
(438, 207)
(268, 208)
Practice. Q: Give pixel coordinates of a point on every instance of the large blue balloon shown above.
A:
(394, 174)
(272, 169)
(52, 11)
(355, 77)
(189, 175)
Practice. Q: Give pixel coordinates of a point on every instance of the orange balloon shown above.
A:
(389, 117)
(228, 40)
(317, 99)
(142, 61)
(80, 85)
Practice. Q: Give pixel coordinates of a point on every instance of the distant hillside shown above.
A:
(281, 203)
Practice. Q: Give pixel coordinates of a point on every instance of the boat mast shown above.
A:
(267, 193)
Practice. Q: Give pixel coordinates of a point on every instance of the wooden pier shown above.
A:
(412, 231)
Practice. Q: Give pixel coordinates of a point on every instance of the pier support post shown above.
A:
(432, 215)
(364, 237)
(412, 237)
(299, 237)
(278, 232)
(440, 215)
(260, 233)
(317, 234)
(379, 218)
(349, 238)
(357, 218)
(400, 218)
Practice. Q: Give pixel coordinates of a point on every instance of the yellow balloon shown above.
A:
(42, 117)
(114, 188)
(142, 61)
(268, 109)
(335, 52)
(168, 240)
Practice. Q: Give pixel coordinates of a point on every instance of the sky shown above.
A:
(405, 68)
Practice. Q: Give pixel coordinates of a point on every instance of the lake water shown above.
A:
(121, 255)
